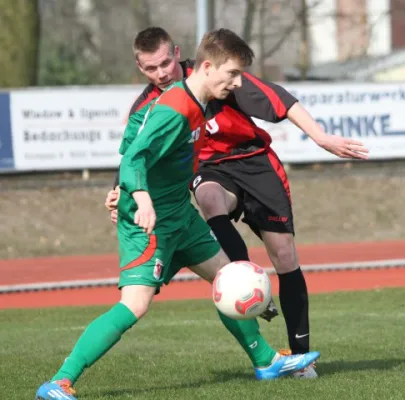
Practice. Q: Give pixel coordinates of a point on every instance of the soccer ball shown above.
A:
(241, 290)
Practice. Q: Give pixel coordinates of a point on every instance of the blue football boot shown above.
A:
(285, 365)
(57, 390)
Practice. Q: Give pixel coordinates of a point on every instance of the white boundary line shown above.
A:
(191, 276)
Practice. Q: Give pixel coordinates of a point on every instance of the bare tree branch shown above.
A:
(290, 29)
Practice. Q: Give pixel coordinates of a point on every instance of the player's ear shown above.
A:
(139, 66)
(206, 66)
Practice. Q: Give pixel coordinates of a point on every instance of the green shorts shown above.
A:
(152, 260)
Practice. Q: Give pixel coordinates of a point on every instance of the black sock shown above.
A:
(294, 304)
(229, 238)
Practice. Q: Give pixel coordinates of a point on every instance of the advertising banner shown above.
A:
(6, 145)
(371, 113)
(77, 128)
(69, 128)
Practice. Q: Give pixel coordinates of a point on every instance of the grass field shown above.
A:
(181, 351)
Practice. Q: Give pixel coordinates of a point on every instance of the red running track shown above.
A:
(105, 266)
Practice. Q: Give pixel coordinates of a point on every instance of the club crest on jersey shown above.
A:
(197, 181)
(212, 126)
(195, 135)
(157, 271)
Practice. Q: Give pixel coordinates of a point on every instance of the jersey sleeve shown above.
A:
(149, 93)
(160, 135)
(134, 123)
(264, 100)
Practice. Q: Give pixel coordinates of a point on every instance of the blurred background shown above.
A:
(68, 79)
(88, 42)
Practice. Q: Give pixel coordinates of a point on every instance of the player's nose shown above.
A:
(237, 82)
(161, 73)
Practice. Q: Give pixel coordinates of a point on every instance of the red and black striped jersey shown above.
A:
(151, 91)
(231, 132)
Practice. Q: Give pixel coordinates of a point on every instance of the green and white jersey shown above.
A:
(163, 156)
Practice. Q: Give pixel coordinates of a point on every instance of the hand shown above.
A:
(145, 216)
(111, 201)
(343, 147)
(114, 216)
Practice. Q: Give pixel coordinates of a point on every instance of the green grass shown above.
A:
(181, 351)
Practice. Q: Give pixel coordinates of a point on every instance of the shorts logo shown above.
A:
(157, 271)
(197, 181)
(277, 218)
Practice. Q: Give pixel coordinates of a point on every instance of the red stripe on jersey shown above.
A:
(235, 157)
(229, 130)
(155, 93)
(274, 99)
(178, 99)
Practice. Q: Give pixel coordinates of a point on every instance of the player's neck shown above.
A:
(195, 83)
(180, 72)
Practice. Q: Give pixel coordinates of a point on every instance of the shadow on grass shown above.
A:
(213, 378)
(222, 376)
(333, 367)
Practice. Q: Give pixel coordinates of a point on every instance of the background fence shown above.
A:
(81, 127)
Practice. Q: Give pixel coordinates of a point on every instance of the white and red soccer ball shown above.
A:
(241, 290)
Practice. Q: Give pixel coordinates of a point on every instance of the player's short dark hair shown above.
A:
(219, 45)
(149, 40)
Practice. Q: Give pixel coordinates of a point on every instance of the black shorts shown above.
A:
(261, 186)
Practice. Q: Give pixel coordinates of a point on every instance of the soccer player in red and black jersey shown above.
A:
(239, 172)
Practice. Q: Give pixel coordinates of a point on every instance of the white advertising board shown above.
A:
(69, 128)
(371, 113)
(77, 128)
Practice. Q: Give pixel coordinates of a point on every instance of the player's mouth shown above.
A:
(166, 84)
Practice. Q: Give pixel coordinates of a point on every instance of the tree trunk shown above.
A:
(248, 20)
(262, 34)
(304, 57)
(141, 12)
(19, 42)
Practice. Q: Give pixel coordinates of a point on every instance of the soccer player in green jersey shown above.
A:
(159, 230)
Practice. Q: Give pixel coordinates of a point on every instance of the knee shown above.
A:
(211, 201)
(138, 309)
(283, 256)
(137, 299)
(286, 259)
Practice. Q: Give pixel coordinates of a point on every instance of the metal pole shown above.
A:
(211, 14)
(205, 15)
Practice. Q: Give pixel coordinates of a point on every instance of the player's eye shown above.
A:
(234, 74)
(165, 63)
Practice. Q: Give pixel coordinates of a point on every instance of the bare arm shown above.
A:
(341, 147)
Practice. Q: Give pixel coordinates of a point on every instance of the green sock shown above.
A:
(102, 334)
(247, 333)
